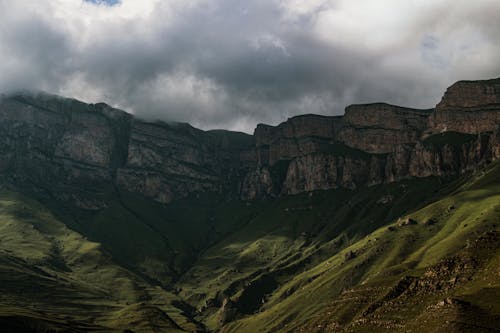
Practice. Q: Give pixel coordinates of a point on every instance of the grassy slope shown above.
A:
(239, 242)
(347, 286)
(281, 261)
(290, 235)
(158, 241)
(53, 278)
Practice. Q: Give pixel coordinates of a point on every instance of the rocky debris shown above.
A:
(210, 303)
(451, 301)
(414, 303)
(430, 221)
(406, 222)
(385, 199)
(227, 313)
(350, 255)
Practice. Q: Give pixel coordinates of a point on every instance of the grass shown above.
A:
(290, 235)
(288, 263)
(383, 258)
(54, 278)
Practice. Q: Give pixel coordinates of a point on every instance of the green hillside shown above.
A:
(52, 279)
(385, 258)
(439, 274)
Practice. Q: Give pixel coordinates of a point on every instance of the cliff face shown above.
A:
(376, 143)
(80, 153)
(297, 136)
(379, 128)
(62, 148)
(468, 107)
(326, 171)
(171, 161)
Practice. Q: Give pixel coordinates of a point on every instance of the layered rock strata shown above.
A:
(81, 153)
(468, 107)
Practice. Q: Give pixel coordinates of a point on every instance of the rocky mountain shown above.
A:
(78, 152)
(380, 143)
(382, 220)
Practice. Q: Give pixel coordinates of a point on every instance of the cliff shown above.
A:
(468, 107)
(82, 153)
(379, 128)
(377, 143)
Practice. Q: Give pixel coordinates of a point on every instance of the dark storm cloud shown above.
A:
(231, 64)
(32, 51)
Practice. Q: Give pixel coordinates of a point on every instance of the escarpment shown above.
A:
(468, 107)
(379, 143)
(82, 153)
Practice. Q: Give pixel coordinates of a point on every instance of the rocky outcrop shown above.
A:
(307, 125)
(377, 143)
(257, 184)
(322, 171)
(379, 128)
(468, 107)
(82, 153)
(62, 147)
(471, 94)
(326, 171)
(298, 136)
(168, 161)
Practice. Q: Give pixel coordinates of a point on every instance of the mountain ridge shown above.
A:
(168, 161)
(379, 221)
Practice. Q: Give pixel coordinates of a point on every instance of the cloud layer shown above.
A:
(231, 64)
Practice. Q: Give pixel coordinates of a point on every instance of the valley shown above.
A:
(383, 220)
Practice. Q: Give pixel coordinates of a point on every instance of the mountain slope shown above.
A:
(345, 259)
(264, 257)
(406, 277)
(384, 219)
(52, 278)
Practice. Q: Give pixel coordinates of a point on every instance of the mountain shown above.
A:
(384, 219)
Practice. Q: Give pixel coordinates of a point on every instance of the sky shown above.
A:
(232, 64)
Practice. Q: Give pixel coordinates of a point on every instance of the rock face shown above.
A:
(468, 107)
(62, 147)
(297, 136)
(167, 161)
(80, 153)
(379, 128)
